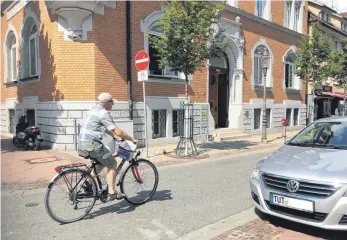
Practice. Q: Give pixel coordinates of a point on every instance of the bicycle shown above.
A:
(87, 188)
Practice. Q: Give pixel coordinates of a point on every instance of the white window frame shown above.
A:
(166, 68)
(233, 3)
(11, 55)
(266, 9)
(344, 26)
(297, 8)
(145, 27)
(31, 37)
(292, 75)
(296, 81)
(288, 13)
(30, 21)
(13, 60)
(294, 15)
(269, 78)
(291, 116)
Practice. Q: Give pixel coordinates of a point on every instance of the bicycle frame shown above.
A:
(63, 168)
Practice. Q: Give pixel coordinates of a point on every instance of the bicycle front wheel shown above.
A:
(139, 182)
(70, 196)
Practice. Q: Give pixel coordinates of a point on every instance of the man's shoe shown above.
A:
(115, 195)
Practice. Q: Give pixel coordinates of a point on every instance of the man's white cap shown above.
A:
(105, 97)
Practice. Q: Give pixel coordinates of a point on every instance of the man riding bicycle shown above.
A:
(98, 120)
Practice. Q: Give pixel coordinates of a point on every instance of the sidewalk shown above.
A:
(262, 230)
(33, 169)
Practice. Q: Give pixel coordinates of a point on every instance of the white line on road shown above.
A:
(213, 230)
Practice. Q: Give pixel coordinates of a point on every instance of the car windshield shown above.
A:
(323, 134)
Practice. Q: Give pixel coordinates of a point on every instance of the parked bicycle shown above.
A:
(81, 189)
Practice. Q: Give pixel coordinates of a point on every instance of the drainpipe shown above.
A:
(129, 58)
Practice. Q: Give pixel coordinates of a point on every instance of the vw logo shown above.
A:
(293, 186)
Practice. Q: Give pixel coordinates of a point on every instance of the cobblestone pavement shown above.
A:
(255, 230)
(271, 228)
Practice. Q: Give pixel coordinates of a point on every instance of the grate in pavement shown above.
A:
(31, 204)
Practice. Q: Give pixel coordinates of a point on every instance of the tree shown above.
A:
(313, 57)
(337, 68)
(190, 36)
(311, 65)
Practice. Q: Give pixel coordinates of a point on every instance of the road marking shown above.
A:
(222, 226)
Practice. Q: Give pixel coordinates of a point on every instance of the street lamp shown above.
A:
(265, 61)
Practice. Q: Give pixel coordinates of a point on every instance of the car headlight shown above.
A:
(255, 174)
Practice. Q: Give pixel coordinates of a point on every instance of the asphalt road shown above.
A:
(189, 197)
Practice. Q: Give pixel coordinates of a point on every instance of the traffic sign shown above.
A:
(141, 60)
(142, 76)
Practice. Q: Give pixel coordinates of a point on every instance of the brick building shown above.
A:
(58, 56)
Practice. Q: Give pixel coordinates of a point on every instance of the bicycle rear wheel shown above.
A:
(139, 182)
(70, 196)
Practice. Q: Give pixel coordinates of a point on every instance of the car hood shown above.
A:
(317, 164)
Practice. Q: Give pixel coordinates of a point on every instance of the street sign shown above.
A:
(141, 60)
(142, 76)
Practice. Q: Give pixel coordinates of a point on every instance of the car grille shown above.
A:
(315, 217)
(343, 220)
(305, 187)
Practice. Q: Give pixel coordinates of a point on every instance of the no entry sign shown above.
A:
(141, 60)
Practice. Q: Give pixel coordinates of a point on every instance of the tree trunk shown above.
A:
(186, 92)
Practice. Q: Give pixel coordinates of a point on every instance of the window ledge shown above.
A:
(167, 80)
(261, 88)
(292, 90)
(30, 79)
(11, 84)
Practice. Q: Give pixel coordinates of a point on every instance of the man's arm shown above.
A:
(120, 133)
(107, 121)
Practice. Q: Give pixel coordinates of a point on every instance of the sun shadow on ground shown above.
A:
(124, 206)
(8, 146)
(301, 228)
(240, 144)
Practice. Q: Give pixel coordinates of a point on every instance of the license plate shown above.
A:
(294, 203)
(39, 137)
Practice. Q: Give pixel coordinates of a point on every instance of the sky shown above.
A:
(339, 5)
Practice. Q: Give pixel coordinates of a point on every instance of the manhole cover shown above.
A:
(31, 204)
(43, 160)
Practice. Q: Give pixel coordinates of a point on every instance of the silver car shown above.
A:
(305, 181)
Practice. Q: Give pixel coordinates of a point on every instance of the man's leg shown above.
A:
(111, 178)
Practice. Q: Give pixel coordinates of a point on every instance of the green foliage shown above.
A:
(189, 35)
(337, 67)
(313, 57)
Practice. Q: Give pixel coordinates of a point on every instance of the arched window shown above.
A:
(30, 49)
(258, 77)
(154, 68)
(291, 81)
(11, 57)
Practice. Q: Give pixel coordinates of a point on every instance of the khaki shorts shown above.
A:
(98, 151)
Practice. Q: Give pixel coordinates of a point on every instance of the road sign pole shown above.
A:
(145, 112)
(141, 63)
